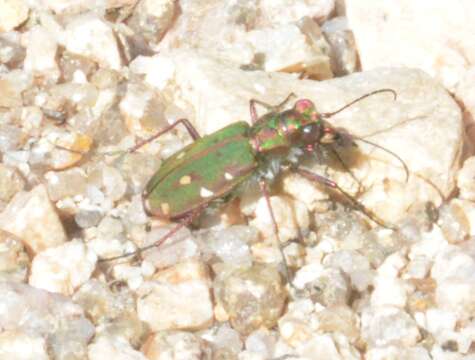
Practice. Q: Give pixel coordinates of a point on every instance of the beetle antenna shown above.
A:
(330, 114)
(406, 168)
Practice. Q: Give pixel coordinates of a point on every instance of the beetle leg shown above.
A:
(185, 222)
(191, 130)
(270, 108)
(265, 193)
(330, 183)
(346, 168)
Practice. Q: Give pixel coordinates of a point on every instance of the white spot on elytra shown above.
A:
(180, 155)
(185, 180)
(205, 193)
(165, 208)
(228, 176)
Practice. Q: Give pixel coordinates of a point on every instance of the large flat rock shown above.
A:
(423, 126)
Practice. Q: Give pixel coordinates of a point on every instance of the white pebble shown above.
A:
(64, 268)
(32, 217)
(89, 36)
(177, 298)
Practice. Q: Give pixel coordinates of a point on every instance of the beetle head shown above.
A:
(306, 108)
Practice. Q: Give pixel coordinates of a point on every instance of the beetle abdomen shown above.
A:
(206, 170)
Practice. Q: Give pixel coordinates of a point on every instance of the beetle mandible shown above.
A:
(215, 165)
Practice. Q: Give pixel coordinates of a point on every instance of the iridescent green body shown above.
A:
(215, 165)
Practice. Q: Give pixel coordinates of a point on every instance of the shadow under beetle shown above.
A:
(214, 166)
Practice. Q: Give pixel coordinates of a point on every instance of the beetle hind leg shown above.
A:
(189, 127)
(265, 193)
(185, 222)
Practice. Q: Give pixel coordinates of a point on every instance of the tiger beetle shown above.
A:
(212, 168)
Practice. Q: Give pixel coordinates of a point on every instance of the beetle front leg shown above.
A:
(191, 130)
(346, 168)
(330, 183)
(265, 193)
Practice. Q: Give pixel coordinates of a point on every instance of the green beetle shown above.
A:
(213, 167)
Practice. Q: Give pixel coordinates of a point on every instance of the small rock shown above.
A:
(319, 347)
(179, 248)
(10, 182)
(64, 268)
(19, 345)
(290, 215)
(230, 245)
(418, 268)
(151, 19)
(183, 345)
(73, 66)
(405, 27)
(388, 288)
(105, 182)
(85, 218)
(14, 260)
(295, 329)
(177, 298)
(11, 137)
(328, 286)
(32, 217)
(396, 353)
(114, 184)
(223, 338)
(286, 48)
(387, 325)
(260, 285)
(107, 347)
(339, 319)
(439, 321)
(89, 36)
(137, 169)
(12, 14)
(51, 316)
(354, 265)
(68, 183)
(305, 191)
(344, 56)
(143, 112)
(12, 84)
(11, 51)
(71, 7)
(60, 149)
(41, 48)
(295, 10)
(113, 313)
(465, 178)
(253, 35)
(454, 221)
(261, 342)
(389, 291)
(454, 270)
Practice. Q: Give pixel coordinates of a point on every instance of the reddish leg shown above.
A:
(265, 193)
(270, 108)
(185, 222)
(191, 130)
(346, 168)
(330, 183)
